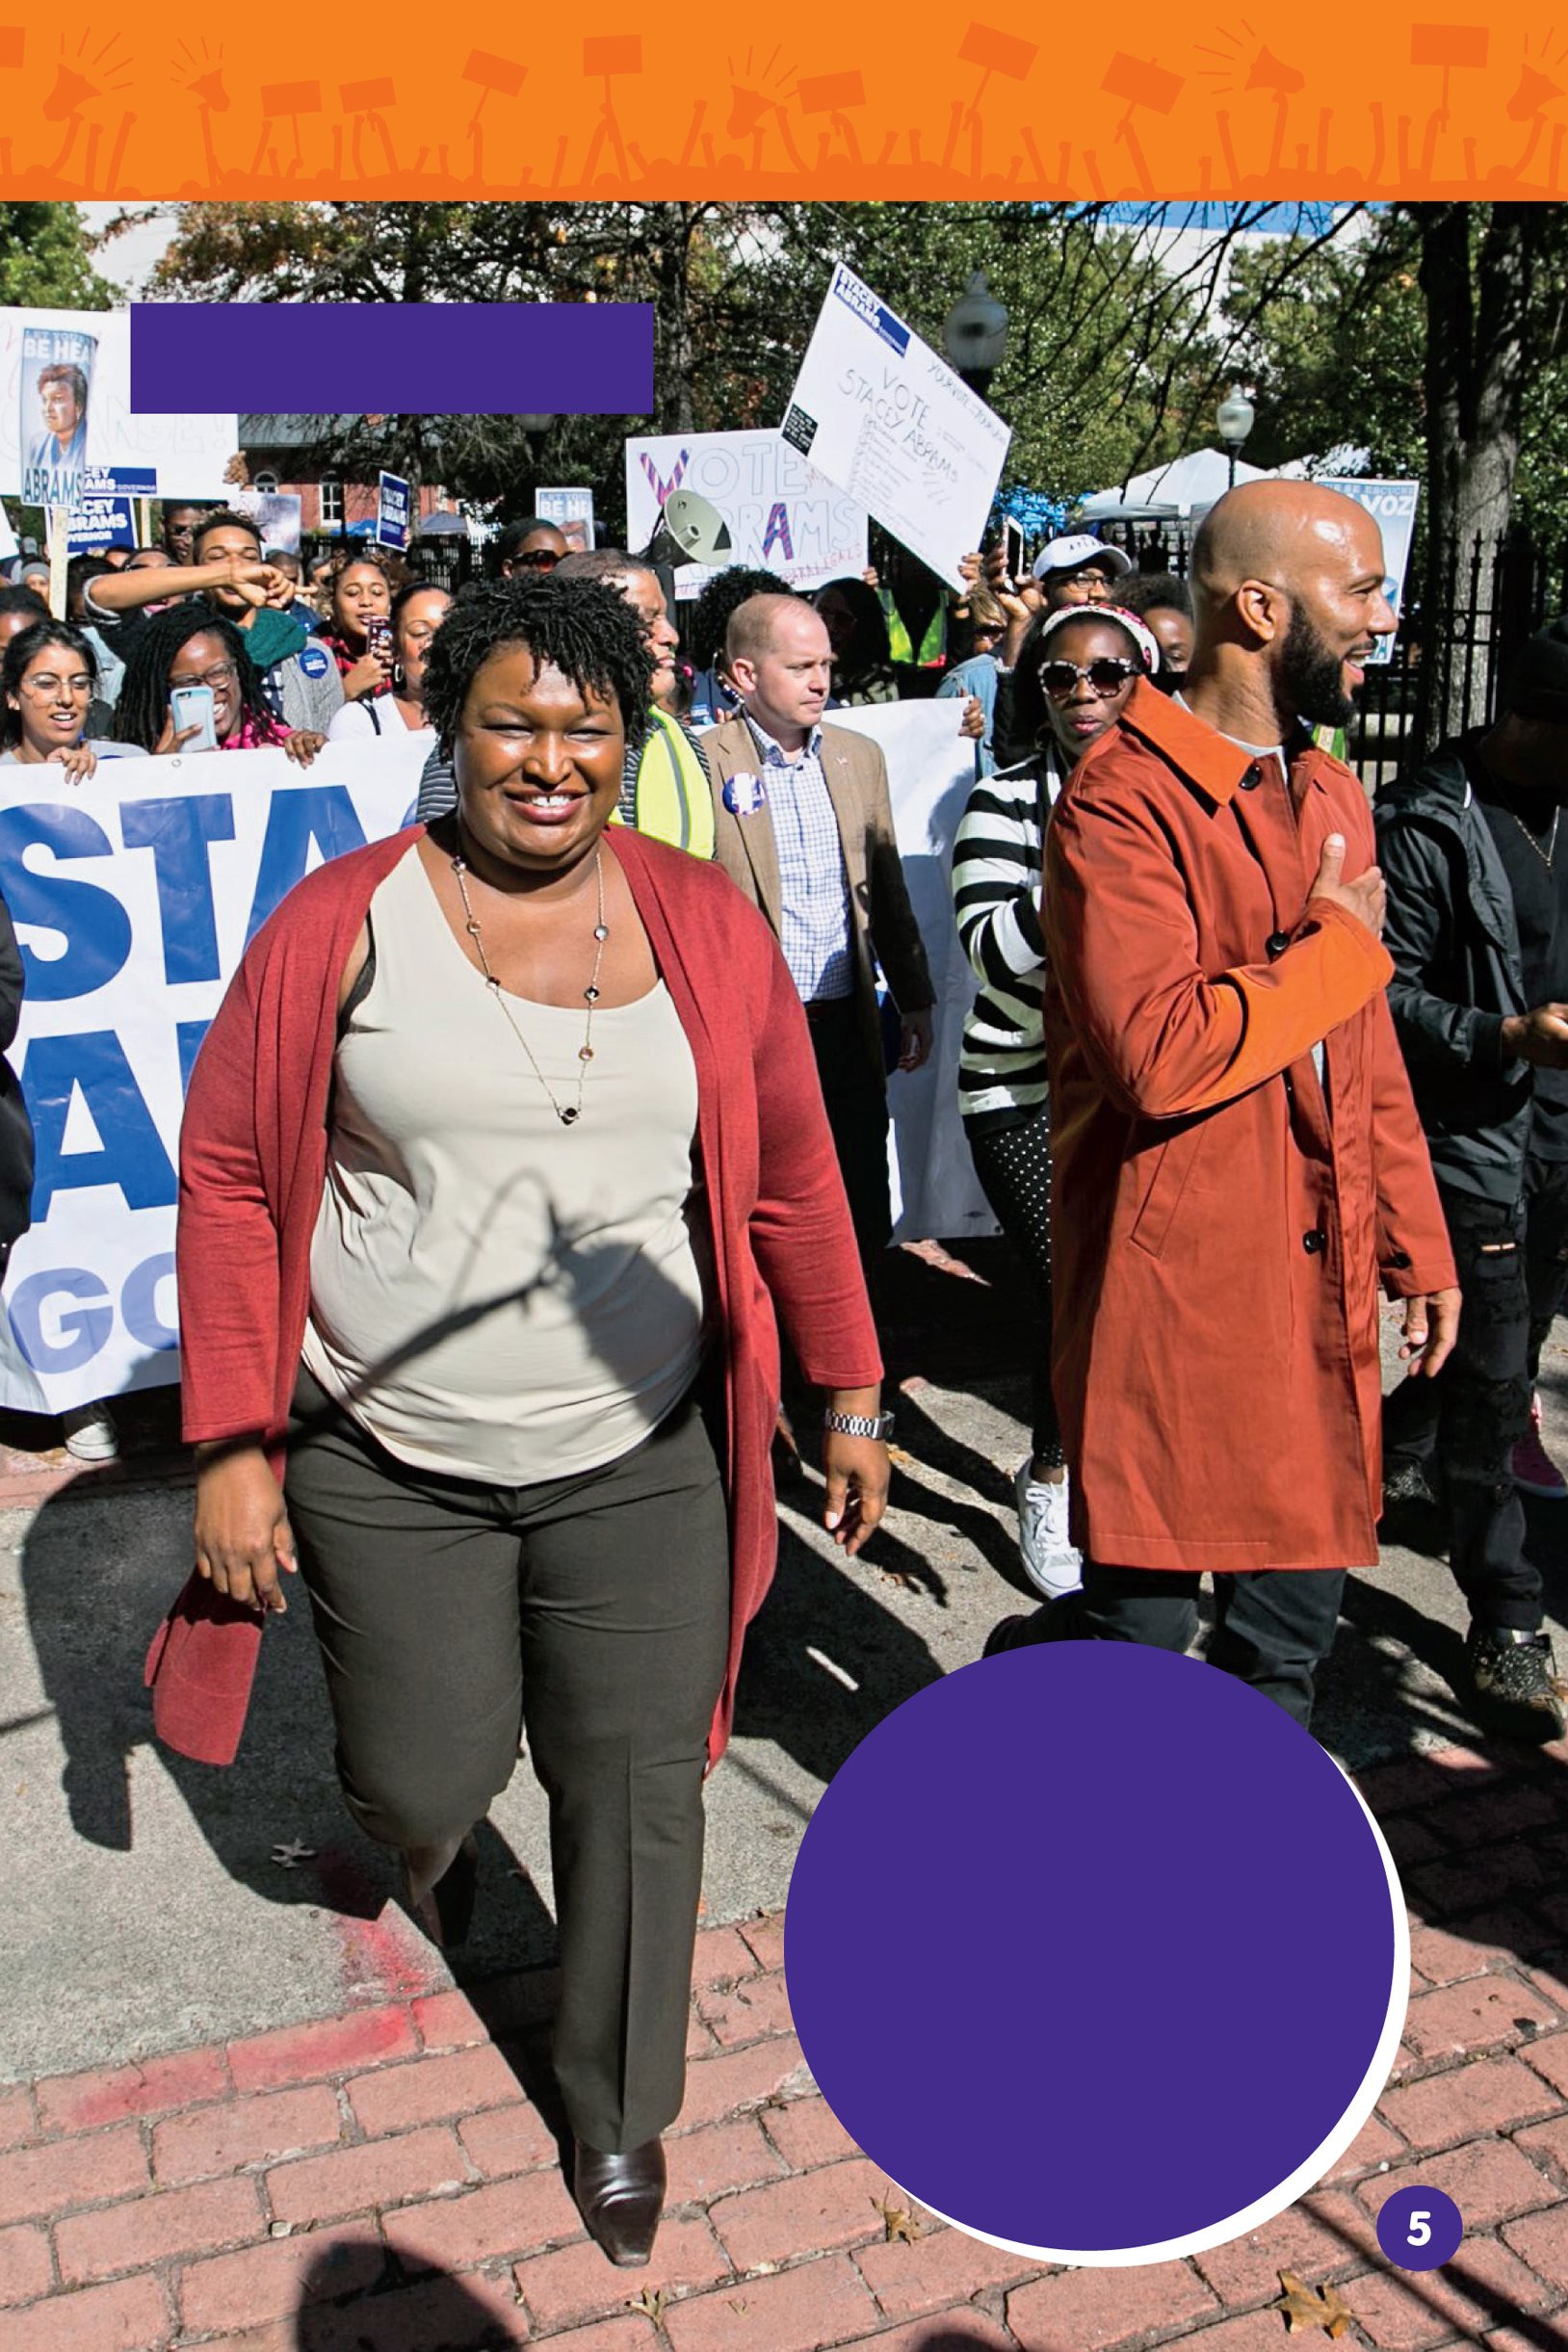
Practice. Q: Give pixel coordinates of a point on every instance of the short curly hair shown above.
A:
(585, 629)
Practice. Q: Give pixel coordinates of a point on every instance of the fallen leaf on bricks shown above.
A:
(897, 2221)
(651, 2303)
(1307, 2307)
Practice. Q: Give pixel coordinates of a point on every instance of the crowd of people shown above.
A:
(536, 1166)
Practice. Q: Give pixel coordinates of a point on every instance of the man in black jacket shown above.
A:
(1478, 927)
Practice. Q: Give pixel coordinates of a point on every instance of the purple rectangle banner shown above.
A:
(393, 359)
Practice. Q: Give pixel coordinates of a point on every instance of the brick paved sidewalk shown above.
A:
(380, 2182)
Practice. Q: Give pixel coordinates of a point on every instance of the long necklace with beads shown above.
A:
(568, 1113)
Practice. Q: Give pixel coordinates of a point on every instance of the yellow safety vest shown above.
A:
(672, 799)
(932, 645)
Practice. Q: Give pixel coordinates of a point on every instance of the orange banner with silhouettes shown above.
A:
(901, 101)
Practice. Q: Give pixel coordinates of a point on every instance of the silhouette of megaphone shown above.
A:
(689, 531)
(211, 92)
(69, 91)
(1270, 72)
(1533, 92)
(747, 110)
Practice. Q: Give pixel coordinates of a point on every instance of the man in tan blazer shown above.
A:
(803, 824)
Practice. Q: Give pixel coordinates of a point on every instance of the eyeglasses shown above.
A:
(1107, 676)
(41, 685)
(217, 677)
(537, 559)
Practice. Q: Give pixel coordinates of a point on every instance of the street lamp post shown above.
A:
(1235, 418)
(538, 430)
(974, 334)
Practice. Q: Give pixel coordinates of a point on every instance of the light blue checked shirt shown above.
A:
(814, 889)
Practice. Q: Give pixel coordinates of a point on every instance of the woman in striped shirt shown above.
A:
(1076, 670)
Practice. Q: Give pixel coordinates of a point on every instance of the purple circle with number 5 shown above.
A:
(1420, 2229)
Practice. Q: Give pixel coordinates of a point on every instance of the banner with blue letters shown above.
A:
(134, 897)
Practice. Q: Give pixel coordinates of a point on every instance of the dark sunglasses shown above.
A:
(538, 559)
(1107, 676)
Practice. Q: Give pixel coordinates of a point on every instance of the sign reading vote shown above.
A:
(781, 515)
(880, 413)
(134, 897)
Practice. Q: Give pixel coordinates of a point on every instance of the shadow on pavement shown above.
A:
(819, 1711)
(435, 2312)
(90, 1631)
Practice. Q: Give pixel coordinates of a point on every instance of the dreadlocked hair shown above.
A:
(143, 707)
(581, 628)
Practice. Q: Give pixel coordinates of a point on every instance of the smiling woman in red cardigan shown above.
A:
(502, 1150)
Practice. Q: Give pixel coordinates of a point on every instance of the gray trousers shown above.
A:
(591, 1613)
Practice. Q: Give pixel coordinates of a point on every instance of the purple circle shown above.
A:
(1420, 2229)
(1096, 1953)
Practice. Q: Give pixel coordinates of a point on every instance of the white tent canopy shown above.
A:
(1170, 493)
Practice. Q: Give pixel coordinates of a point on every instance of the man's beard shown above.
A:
(1310, 679)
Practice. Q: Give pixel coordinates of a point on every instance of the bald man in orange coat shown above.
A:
(1238, 1157)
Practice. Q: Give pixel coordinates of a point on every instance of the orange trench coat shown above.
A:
(1218, 1229)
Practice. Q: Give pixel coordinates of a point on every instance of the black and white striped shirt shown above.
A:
(996, 859)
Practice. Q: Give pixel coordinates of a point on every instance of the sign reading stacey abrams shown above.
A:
(134, 896)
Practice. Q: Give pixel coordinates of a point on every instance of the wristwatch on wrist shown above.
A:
(860, 1424)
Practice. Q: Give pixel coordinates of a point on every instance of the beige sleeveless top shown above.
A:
(494, 1296)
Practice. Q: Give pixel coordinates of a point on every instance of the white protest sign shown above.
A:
(571, 510)
(66, 403)
(1392, 506)
(930, 773)
(880, 412)
(133, 896)
(782, 515)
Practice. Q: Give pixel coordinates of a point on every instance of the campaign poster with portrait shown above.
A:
(55, 388)
(66, 405)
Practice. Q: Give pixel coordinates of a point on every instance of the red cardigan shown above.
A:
(253, 1166)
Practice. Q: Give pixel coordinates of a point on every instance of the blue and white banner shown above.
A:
(104, 514)
(392, 512)
(134, 897)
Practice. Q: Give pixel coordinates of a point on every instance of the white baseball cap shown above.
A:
(1080, 547)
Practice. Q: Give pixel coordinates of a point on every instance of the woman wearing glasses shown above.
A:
(1076, 670)
(47, 682)
(188, 646)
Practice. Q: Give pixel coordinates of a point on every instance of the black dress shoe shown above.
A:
(444, 1903)
(620, 2198)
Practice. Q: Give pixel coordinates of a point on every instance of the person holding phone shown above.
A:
(359, 596)
(192, 685)
(501, 1155)
(417, 613)
(299, 677)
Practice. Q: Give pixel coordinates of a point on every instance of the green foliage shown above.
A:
(45, 260)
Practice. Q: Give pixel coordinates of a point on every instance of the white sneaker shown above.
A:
(91, 1434)
(1051, 1563)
